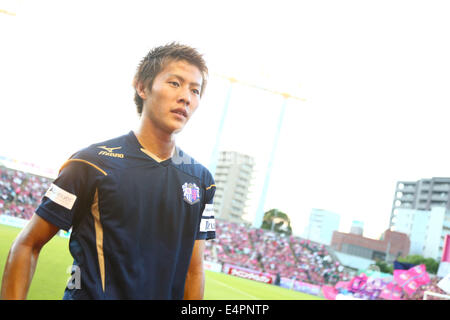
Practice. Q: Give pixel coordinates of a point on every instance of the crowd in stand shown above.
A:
(257, 249)
(20, 192)
(317, 263)
(273, 253)
(232, 245)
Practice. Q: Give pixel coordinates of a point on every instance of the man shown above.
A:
(140, 208)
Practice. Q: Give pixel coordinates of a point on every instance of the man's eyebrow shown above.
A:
(182, 79)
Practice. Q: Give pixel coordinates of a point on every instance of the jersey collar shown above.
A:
(146, 153)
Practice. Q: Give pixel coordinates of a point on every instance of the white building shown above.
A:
(357, 227)
(425, 229)
(233, 177)
(322, 224)
(423, 194)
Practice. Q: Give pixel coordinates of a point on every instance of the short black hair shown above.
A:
(155, 61)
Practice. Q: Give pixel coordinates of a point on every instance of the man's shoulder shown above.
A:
(104, 152)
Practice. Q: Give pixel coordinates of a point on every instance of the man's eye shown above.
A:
(196, 91)
(174, 83)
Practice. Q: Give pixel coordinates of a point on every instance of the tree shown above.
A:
(384, 267)
(277, 221)
(431, 264)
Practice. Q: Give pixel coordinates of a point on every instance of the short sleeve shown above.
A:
(207, 229)
(69, 195)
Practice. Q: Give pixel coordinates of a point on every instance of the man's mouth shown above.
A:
(181, 112)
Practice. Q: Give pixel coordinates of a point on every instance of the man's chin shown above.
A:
(176, 129)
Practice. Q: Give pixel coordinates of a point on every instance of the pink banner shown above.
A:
(410, 280)
(329, 292)
(342, 285)
(401, 276)
(446, 249)
(405, 281)
(307, 287)
(392, 291)
(420, 275)
(358, 282)
(248, 274)
(411, 287)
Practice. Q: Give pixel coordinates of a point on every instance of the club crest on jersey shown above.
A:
(191, 193)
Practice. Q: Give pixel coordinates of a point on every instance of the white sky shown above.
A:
(375, 76)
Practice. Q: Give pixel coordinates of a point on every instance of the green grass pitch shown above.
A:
(51, 276)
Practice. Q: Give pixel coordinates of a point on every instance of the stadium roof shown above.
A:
(353, 262)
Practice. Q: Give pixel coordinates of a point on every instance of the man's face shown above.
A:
(174, 97)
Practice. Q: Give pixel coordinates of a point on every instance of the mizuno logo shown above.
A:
(109, 152)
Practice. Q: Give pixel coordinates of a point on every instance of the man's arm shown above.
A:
(195, 279)
(23, 256)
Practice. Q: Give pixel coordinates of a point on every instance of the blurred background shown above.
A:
(333, 113)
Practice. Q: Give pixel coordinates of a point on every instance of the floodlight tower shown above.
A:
(257, 221)
(215, 153)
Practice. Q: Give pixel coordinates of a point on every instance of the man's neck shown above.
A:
(156, 144)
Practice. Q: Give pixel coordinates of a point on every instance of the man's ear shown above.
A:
(140, 89)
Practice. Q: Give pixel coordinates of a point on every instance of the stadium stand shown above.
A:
(20, 192)
(317, 263)
(273, 253)
(232, 245)
(238, 244)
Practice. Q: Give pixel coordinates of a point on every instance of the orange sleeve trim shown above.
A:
(213, 185)
(84, 161)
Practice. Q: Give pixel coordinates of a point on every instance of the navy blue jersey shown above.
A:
(134, 220)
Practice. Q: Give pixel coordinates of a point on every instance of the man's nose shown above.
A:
(185, 97)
